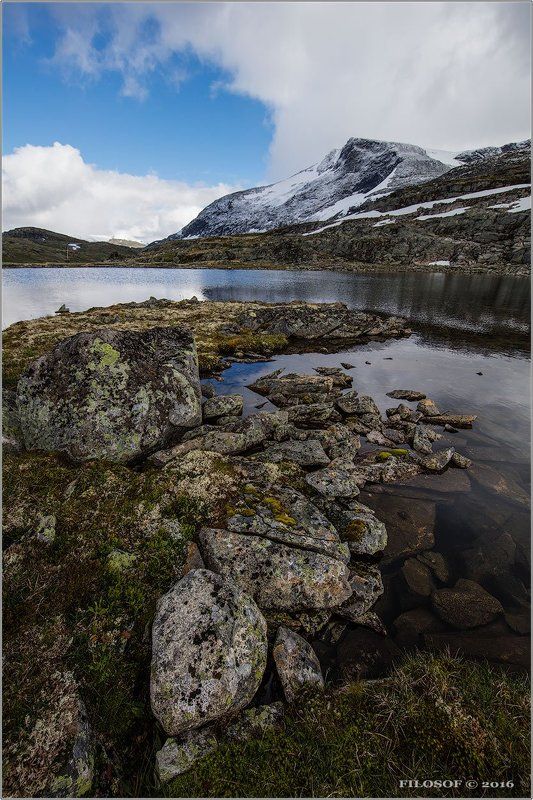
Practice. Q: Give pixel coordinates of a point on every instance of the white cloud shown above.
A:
(54, 188)
(449, 75)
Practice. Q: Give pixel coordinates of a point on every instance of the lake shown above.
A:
(463, 325)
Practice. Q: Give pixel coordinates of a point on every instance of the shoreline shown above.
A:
(504, 269)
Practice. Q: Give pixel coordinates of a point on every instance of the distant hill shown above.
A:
(127, 243)
(39, 246)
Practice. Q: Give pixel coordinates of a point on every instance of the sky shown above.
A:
(126, 119)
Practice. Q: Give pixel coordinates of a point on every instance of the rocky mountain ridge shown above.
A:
(361, 171)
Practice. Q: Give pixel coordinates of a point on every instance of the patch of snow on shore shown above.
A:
(451, 213)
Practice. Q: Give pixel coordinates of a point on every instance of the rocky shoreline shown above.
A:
(279, 587)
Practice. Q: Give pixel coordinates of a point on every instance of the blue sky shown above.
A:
(190, 132)
(126, 119)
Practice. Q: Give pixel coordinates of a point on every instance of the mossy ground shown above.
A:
(84, 603)
(25, 341)
(435, 718)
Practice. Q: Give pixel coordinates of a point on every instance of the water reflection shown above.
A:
(477, 303)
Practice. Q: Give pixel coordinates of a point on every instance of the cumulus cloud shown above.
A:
(449, 75)
(54, 188)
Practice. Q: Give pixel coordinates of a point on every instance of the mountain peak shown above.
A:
(345, 178)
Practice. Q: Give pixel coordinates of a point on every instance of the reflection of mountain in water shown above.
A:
(477, 303)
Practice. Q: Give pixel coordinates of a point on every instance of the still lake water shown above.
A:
(463, 325)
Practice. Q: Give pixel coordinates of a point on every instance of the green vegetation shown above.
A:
(84, 601)
(435, 718)
(39, 246)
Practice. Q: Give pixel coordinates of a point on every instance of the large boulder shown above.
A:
(276, 575)
(209, 652)
(111, 394)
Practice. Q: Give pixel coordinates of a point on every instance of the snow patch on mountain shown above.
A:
(347, 177)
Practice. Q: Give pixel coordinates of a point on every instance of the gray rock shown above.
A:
(45, 530)
(223, 405)
(364, 533)
(254, 722)
(296, 663)
(438, 461)
(339, 378)
(314, 415)
(288, 517)
(309, 453)
(352, 403)
(461, 461)
(276, 575)
(338, 479)
(368, 620)
(376, 437)
(208, 652)
(428, 408)
(466, 605)
(293, 389)
(193, 559)
(111, 394)
(406, 394)
(452, 420)
(421, 443)
(367, 587)
(208, 390)
(180, 755)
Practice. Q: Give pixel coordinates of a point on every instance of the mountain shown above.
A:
(39, 246)
(127, 243)
(345, 178)
(473, 217)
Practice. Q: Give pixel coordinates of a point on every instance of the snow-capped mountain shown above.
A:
(344, 179)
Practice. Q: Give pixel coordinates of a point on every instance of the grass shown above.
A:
(436, 717)
(84, 603)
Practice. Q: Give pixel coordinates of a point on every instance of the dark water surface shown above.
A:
(465, 302)
(463, 325)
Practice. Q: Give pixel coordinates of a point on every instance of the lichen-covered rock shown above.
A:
(314, 415)
(208, 652)
(293, 389)
(179, 755)
(111, 394)
(338, 479)
(339, 378)
(428, 408)
(276, 575)
(55, 758)
(406, 394)
(367, 586)
(358, 526)
(438, 461)
(309, 453)
(352, 403)
(286, 516)
(223, 405)
(46, 528)
(254, 722)
(296, 663)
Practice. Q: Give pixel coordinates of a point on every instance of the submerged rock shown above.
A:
(111, 394)
(418, 577)
(208, 652)
(296, 663)
(276, 575)
(466, 605)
